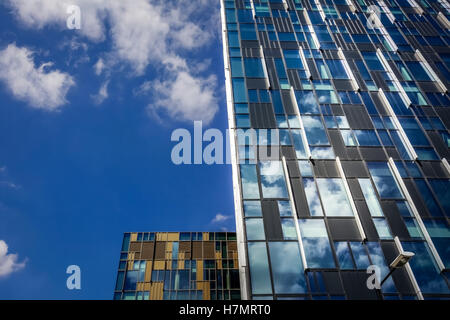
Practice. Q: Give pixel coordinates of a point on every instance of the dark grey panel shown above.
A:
(343, 229)
(293, 169)
(355, 189)
(395, 220)
(325, 169)
(256, 83)
(262, 115)
(354, 169)
(356, 287)
(366, 221)
(343, 85)
(393, 153)
(287, 103)
(288, 152)
(300, 198)
(439, 144)
(373, 154)
(272, 223)
(338, 144)
(357, 117)
(417, 199)
(332, 282)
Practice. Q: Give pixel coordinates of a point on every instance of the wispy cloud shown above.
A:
(9, 261)
(143, 33)
(222, 221)
(38, 87)
(102, 94)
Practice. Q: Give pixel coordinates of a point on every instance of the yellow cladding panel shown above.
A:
(130, 264)
(168, 255)
(169, 246)
(173, 236)
(218, 255)
(205, 236)
(161, 236)
(168, 265)
(181, 256)
(159, 265)
(204, 286)
(140, 286)
(156, 291)
(133, 236)
(148, 272)
(130, 256)
(147, 286)
(180, 264)
(219, 264)
(199, 270)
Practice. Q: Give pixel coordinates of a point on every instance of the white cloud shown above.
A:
(186, 98)
(38, 87)
(143, 33)
(220, 218)
(8, 261)
(99, 66)
(102, 94)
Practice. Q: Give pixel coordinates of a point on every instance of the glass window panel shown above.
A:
(252, 209)
(253, 68)
(337, 69)
(344, 256)
(288, 227)
(284, 207)
(312, 197)
(360, 255)
(259, 268)
(239, 90)
(315, 130)
(287, 268)
(366, 137)
(273, 182)
(382, 228)
(306, 102)
(316, 244)
(305, 168)
(430, 202)
(441, 188)
(250, 189)
(255, 229)
(425, 268)
(385, 183)
(439, 232)
(236, 67)
(334, 197)
(371, 198)
(322, 153)
(349, 138)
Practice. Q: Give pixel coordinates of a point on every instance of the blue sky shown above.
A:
(85, 141)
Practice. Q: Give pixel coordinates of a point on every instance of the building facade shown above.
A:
(178, 266)
(339, 114)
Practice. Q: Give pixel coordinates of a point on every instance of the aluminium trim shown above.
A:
(403, 135)
(266, 73)
(348, 69)
(427, 66)
(350, 197)
(446, 165)
(388, 68)
(411, 275)
(242, 252)
(294, 213)
(302, 127)
(422, 227)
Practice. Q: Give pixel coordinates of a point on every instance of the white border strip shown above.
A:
(411, 276)
(350, 198)
(294, 213)
(302, 127)
(403, 135)
(430, 70)
(242, 248)
(416, 214)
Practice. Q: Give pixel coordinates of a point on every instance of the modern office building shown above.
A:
(339, 114)
(178, 266)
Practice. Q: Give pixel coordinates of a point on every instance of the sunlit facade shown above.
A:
(178, 266)
(354, 96)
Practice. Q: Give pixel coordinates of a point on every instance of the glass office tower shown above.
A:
(339, 114)
(178, 266)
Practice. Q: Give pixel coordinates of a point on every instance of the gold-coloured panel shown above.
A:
(159, 265)
(173, 236)
(161, 236)
(133, 236)
(199, 270)
(148, 271)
